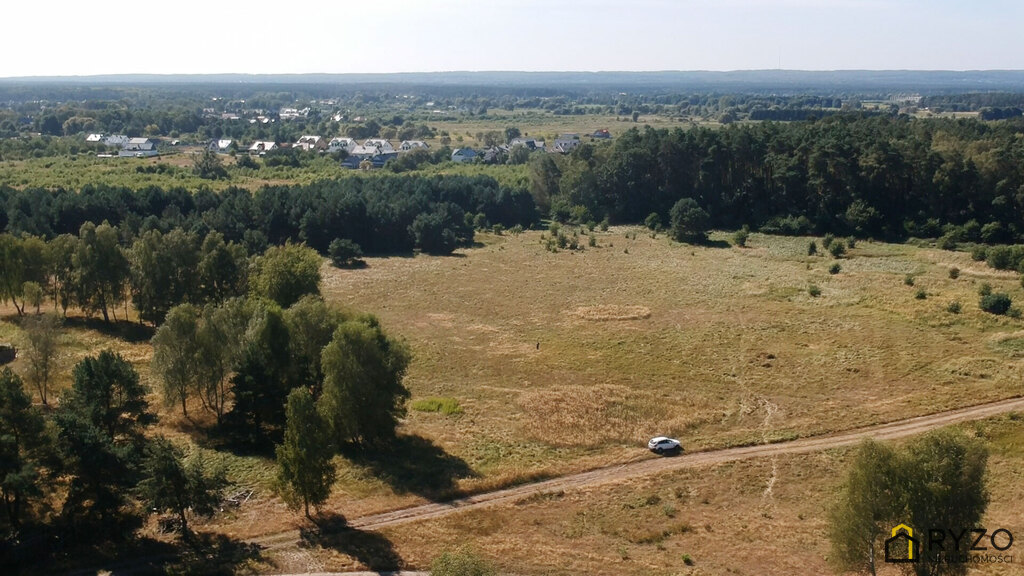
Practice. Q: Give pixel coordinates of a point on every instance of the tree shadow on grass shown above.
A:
(131, 332)
(45, 552)
(369, 548)
(414, 464)
(709, 243)
(209, 553)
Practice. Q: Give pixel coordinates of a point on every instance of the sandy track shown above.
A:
(651, 466)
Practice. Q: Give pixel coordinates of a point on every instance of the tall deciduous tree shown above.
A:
(164, 273)
(219, 347)
(175, 355)
(936, 481)
(102, 269)
(869, 499)
(304, 467)
(286, 273)
(311, 325)
(222, 268)
(62, 270)
(363, 394)
(946, 488)
(12, 265)
(43, 333)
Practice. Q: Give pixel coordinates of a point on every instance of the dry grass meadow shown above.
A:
(565, 361)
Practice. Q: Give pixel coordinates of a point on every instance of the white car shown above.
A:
(661, 445)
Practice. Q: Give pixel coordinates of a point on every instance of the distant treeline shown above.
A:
(1000, 113)
(873, 176)
(790, 114)
(973, 101)
(882, 176)
(386, 214)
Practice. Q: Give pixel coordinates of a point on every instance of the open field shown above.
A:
(579, 357)
(568, 361)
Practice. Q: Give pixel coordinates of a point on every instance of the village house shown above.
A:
(566, 143)
(407, 145)
(373, 147)
(308, 143)
(259, 148)
(528, 142)
(463, 155)
(115, 140)
(138, 148)
(220, 146)
(339, 143)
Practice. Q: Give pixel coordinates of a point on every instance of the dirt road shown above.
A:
(651, 466)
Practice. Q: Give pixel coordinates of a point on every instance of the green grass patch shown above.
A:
(444, 405)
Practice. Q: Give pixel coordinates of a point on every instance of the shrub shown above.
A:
(814, 290)
(579, 214)
(562, 240)
(985, 289)
(947, 242)
(516, 230)
(592, 240)
(995, 303)
(604, 225)
(462, 562)
(687, 559)
(954, 307)
(344, 252)
(979, 253)
(851, 242)
(444, 405)
(497, 229)
(921, 294)
(835, 268)
(554, 228)
(740, 237)
(837, 249)
(653, 221)
(954, 272)
(1014, 312)
(908, 279)
(689, 221)
(999, 257)
(246, 161)
(827, 241)
(812, 248)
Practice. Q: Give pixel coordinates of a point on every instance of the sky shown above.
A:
(73, 37)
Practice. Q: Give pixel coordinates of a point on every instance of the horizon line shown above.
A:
(511, 71)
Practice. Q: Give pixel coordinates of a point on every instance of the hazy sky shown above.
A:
(76, 37)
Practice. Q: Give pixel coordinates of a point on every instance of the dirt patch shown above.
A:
(611, 312)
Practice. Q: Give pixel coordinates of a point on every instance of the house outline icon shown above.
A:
(901, 532)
